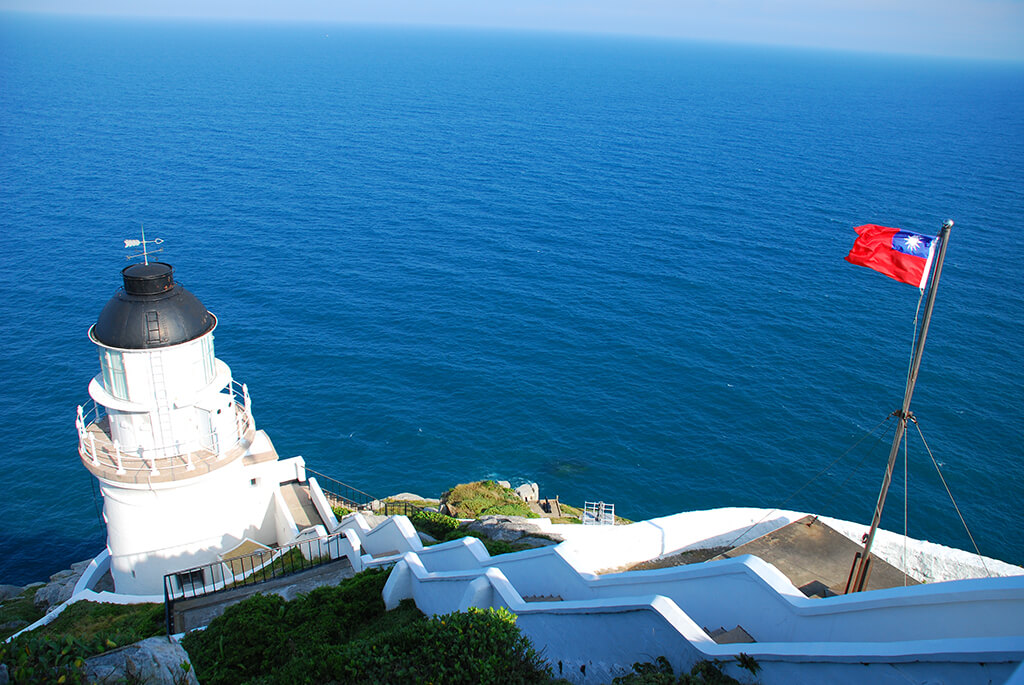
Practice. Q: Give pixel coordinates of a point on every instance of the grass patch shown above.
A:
(484, 498)
(421, 503)
(57, 651)
(19, 611)
(118, 623)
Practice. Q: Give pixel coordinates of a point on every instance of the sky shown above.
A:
(989, 29)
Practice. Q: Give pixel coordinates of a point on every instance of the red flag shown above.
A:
(898, 254)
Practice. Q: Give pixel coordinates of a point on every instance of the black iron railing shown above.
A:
(343, 494)
(249, 569)
(401, 509)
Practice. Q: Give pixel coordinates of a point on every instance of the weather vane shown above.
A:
(132, 242)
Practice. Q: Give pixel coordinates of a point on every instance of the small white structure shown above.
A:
(185, 476)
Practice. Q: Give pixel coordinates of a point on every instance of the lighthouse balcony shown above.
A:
(107, 459)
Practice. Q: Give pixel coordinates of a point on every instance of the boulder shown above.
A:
(531, 541)
(505, 484)
(412, 497)
(9, 591)
(504, 528)
(60, 588)
(530, 492)
(154, 660)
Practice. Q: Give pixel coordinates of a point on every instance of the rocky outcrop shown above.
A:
(9, 591)
(155, 660)
(510, 529)
(412, 497)
(60, 588)
(530, 492)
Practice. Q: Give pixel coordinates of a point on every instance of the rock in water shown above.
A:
(153, 660)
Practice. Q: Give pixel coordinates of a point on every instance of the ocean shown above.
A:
(613, 266)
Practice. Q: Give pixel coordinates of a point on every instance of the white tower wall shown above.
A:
(152, 532)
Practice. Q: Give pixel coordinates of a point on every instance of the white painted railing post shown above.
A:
(117, 454)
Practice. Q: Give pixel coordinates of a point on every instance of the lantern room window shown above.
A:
(208, 357)
(112, 363)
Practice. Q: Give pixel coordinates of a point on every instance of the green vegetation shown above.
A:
(484, 498)
(343, 634)
(341, 512)
(419, 503)
(56, 652)
(703, 673)
(18, 612)
(121, 624)
(444, 528)
(437, 526)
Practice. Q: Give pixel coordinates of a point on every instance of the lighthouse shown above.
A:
(186, 477)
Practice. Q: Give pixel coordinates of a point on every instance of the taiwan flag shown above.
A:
(898, 254)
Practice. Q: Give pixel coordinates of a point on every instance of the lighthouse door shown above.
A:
(204, 430)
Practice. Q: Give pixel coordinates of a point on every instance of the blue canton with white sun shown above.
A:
(913, 244)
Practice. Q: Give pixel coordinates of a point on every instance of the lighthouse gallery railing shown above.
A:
(99, 450)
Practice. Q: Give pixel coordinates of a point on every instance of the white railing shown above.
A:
(99, 450)
(598, 514)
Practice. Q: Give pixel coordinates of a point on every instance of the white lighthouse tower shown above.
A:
(185, 476)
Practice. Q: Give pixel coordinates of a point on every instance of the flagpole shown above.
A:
(859, 572)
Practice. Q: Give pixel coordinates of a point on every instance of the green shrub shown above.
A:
(233, 650)
(341, 512)
(436, 525)
(35, 658)
(343, 634)
(479, 646)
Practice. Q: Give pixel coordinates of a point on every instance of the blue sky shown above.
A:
(972, 28)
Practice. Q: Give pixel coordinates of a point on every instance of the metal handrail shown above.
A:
(97, 447)
(353, 498)
(402, 509)
(248, 569)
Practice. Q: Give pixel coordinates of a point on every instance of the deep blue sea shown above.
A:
(613, 266)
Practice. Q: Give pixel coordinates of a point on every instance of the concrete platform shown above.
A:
(817, 559)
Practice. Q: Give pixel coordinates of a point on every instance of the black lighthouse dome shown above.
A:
(151, 311)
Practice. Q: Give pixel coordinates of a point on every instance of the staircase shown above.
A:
(593, 628)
